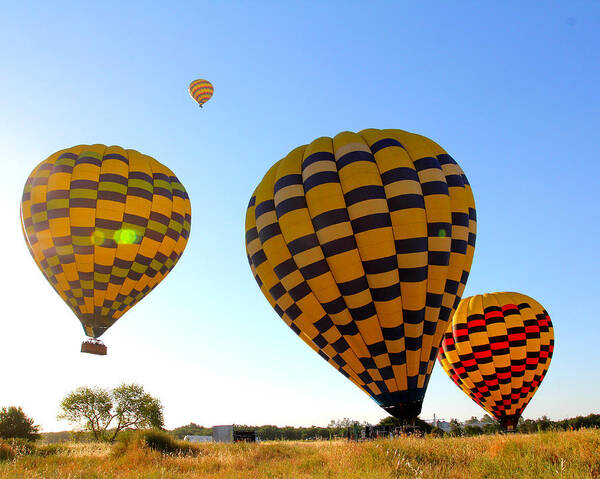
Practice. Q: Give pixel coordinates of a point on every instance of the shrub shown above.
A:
(160, 441)
(22, 447)
(6, 452)
(154, 439)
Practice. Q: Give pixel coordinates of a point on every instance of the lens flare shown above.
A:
(97, 238)
(126, 236)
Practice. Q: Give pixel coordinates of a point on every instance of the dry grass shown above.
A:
(552, 454)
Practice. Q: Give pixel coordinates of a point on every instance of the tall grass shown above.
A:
(574, 454)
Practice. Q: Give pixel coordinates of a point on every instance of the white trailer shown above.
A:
(192, 438)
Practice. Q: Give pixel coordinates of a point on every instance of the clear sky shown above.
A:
(509, 89)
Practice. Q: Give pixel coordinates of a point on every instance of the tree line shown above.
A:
(487, 425)
(339, 428)
(570, 424)
(271, 432)
(101, 414)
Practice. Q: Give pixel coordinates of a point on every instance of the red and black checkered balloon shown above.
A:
(497, 349)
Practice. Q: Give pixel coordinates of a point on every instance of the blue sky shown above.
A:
(508, 89)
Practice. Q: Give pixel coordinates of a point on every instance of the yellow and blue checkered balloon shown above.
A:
(363, 243)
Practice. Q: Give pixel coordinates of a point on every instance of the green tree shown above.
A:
(455, 428)
(268, 432)
(592, 420)
(136, 409)
(471, 427)
(91, 406)
(492, 428)
(15, 424)
(527, 426)
(341, 423)
(472, 421)
(390, 421)
(106, 412)
(471, 430)
(339, 427)
(489, 425)
(487, 419)
(544, 424)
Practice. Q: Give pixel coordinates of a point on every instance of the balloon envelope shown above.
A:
(201, 91)
(104, 225)
(497, 349)
(362, 243)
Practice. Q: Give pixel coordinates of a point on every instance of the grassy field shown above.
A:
(552, 454)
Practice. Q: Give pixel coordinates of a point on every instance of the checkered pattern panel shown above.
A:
(364, 237)
(104, 225)
(292, 315)
(497, 349)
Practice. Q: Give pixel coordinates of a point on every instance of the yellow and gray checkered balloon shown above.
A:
(105, 225)
(363, 243)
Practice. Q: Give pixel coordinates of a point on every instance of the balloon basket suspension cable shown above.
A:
(406, 411)
(510, 423)
(93, 346)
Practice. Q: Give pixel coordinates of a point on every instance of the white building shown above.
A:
(443, 425)
(198, 438)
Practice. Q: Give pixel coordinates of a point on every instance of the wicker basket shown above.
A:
(93, 346)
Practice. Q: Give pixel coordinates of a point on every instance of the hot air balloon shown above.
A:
(104, 225)
(362, 243)
(201, 91)
(497, 349)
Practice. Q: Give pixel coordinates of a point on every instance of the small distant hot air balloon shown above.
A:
(104, 225)
(497, 349)
(362, 243)
(201, 91)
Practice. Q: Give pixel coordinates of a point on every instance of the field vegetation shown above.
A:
(154, 455)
